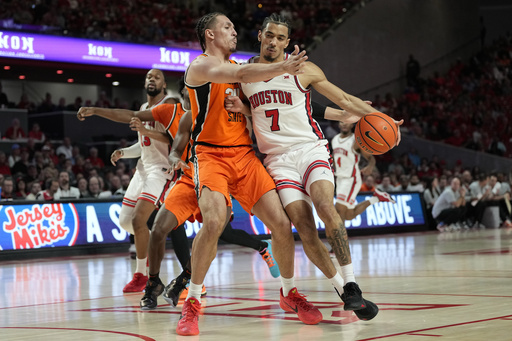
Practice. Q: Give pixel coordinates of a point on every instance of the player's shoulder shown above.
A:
(171, 100)
(253, 59)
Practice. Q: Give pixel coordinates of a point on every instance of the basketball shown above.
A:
(376, 133)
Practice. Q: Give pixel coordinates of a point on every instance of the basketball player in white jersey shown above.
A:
(298, 157)
(346, 156)
(148, 182)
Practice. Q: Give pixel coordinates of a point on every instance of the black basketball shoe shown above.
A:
(352, 297)
(150, 299)
(368, 312)
(173, 291)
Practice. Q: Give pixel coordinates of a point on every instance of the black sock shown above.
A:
(239, 237)
(155, 277)
(186, 274)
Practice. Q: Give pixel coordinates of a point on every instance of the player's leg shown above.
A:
(130, 209)
(322, 193)
(319, 184)
(271, 213)
(125, 221)
(301, 215)
(154, 183)
(298, 206)
(180, 245)
(257, 194)
(204, 248)
(264, 247)
(350, 213)
(180, 204)
(347, 189)
(126, 214)
(165, 221)
(215, 213)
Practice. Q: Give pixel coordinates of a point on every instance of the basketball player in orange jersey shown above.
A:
(298, 158)
(180, 204)
(225, 163)
(148, 181)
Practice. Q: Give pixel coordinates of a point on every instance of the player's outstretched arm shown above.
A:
(137, 125)
(212, 69)
(368, 169)
(181, 140)
(126, 153)
(117, 115)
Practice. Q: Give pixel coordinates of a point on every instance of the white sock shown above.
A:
(337, 282)
(194, 290)
(142, 266)
(287, 284)
(347, 272)
(373, 200)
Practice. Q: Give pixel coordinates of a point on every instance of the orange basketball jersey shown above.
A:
(170, 115)
(212, 123)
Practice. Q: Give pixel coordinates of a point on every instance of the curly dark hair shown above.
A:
(275, 18)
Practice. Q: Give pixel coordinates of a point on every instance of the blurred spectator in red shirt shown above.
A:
(94, 159)
(15, 131)
(36, 133)
(456, 139)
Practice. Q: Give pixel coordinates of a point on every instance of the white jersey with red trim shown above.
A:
(346, 159)
(154, 154)
(281, 114)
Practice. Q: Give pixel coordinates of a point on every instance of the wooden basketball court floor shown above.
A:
(429, 286)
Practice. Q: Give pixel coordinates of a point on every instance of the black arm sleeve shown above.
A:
(318, 110)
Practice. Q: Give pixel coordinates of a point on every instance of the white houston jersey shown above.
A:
(346, 159)
(281, 114)
(154, 154)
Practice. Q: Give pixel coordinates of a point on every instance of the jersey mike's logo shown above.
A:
(37, 226)
(367, 134)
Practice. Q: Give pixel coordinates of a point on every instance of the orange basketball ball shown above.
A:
(376, 133)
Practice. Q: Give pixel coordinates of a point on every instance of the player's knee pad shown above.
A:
(125, 219)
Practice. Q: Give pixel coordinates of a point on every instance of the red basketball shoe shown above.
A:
(383, 196)
(137, 284)
(187, 325)
(295, 302)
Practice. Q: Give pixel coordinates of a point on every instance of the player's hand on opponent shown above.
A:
(84, 112)
(137, 125)
(233, 104)
(295, 63)
(116, 155)
(399, 134)
(176, 163)
(350, 117)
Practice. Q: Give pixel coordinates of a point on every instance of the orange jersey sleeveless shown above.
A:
(170, 115)
(212, 124)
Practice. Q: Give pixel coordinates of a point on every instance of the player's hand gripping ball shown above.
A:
(376, 133)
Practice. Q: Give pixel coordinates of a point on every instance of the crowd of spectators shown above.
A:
(48, 105)
(40, 170)
(470, 106)
(167, 22)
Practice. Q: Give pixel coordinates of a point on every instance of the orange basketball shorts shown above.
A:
(182, 199)
(233, 170)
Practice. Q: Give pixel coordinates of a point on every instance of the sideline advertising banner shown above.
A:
(98, 52)
(40, 225)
